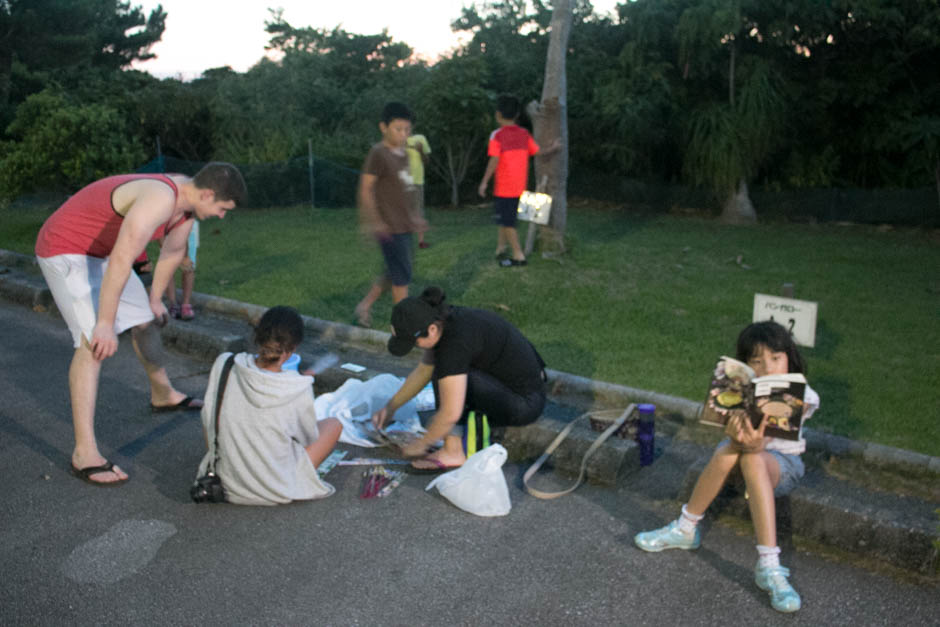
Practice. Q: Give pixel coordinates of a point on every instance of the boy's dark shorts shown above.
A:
(396, 250)
(504, 210)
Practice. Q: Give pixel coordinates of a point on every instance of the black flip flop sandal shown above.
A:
(185, 404)
(85, 474)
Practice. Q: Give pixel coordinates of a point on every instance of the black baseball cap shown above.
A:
(411, 318)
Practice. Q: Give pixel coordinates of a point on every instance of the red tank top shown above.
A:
(88, 224)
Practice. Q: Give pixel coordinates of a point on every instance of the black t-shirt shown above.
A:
(482, 340)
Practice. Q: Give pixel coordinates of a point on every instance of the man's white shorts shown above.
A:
(75, 283)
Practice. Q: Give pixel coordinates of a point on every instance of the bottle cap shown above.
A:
(646, 408)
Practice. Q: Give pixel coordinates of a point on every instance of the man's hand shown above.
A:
(104, 341)
(160, 315)
(482, 189)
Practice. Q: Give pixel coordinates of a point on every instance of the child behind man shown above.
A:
(386, 207)
(187, 279)
(509, 150)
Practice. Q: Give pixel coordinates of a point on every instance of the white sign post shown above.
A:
(797, 316)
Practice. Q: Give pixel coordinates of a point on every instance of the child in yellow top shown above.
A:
(418, 154)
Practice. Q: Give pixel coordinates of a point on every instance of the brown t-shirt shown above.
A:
(394, 187)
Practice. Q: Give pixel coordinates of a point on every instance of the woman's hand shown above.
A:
(744, 436)
(415, 448)
(380, 417)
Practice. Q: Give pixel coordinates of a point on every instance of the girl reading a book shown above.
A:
(771, 468)
(269, 441)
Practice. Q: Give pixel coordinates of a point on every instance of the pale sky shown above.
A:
(202, 34)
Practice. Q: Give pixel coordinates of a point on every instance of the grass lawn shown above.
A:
(647, 300)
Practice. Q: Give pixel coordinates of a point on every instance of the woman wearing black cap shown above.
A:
(477, 361)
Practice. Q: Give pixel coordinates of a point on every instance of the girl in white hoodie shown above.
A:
(270, 442)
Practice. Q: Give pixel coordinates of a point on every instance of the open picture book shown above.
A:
(735, 389)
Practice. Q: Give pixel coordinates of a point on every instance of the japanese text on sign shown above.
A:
(797, 316)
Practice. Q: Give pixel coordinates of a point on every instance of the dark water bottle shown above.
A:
(645, 432)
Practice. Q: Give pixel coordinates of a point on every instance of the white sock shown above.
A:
(769, 556)
(688, 522)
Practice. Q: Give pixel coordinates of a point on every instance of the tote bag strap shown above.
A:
(558, 440)
(220, 393)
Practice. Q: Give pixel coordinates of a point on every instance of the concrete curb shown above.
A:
(580, 391)
(886, 527)
(564, 387)
(900, 530)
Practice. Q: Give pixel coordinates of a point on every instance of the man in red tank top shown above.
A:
(86, 250)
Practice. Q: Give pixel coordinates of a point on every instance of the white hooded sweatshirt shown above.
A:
(267, 421)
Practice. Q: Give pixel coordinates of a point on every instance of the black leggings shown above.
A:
(502, 406)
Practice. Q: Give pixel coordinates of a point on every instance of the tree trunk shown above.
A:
(937, 175)
(452, 175)
(6, 57)
(550, 123)
(455, 165)
(738, 208)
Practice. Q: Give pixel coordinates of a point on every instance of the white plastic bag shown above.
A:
(478, 486)
(354, 402)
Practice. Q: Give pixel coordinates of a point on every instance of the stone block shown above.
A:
(615, 458)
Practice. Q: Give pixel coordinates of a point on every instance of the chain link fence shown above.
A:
(302, 180)
(910, 207)
(317, 182)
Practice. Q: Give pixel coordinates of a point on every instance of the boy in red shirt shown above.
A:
(509, 150)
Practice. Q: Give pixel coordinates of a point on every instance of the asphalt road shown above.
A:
(143, 553)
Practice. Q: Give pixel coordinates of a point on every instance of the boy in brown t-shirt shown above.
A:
(386, 210)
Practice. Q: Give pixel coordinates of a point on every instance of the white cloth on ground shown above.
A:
(354, 402)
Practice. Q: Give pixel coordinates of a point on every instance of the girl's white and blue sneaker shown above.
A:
(668, 537)
(783, 597)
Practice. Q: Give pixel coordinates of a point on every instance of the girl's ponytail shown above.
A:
(280, 330)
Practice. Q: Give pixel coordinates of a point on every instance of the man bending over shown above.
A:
(85, 251)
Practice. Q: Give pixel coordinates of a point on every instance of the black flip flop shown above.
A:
(85, 474)
(185, 404)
